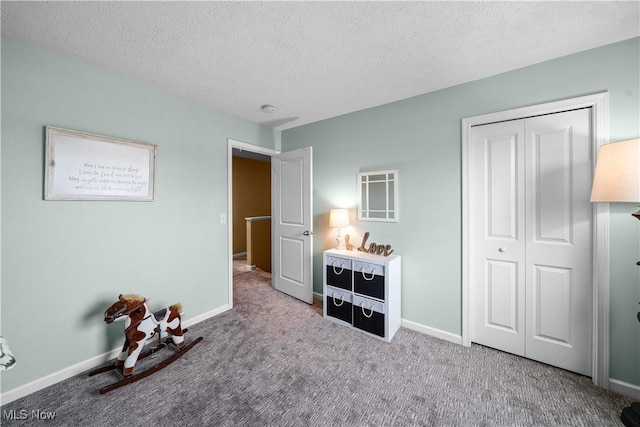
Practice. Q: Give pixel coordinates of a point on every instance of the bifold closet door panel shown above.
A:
(497, 242)
(559, 273)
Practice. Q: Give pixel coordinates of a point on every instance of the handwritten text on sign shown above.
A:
(118, 179)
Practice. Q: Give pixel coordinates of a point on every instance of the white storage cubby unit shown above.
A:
(362, 291)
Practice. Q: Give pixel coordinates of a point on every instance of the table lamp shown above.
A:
(339, 218)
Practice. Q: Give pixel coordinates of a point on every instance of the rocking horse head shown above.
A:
(124, 307)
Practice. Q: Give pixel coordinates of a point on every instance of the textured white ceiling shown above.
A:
(315, 60)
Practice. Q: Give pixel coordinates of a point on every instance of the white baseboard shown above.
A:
(56, 377)
(627, 389)
(317, 295)
(205, 316)
(617, 386)
(78, 368)
(443, 335)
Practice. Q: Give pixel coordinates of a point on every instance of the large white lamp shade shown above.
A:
(338, 218)
(617, 175)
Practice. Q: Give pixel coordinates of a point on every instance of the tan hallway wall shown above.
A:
(251, 196)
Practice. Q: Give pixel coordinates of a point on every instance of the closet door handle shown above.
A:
(502, 249)
(307, 233)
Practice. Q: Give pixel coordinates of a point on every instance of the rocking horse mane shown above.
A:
(133, 298)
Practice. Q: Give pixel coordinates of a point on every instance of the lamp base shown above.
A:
(631, 414)
(637, 215)
(340, 241)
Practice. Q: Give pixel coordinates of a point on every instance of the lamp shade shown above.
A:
(339, 218)
(617, 175)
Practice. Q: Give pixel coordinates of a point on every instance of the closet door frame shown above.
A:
(599, 104)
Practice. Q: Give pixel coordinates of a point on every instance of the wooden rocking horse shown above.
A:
(140, 328)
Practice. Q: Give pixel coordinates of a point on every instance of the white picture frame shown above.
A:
(378, 196)
(86, 166)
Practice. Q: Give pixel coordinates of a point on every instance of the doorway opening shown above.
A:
(292, 223)
(249, 209)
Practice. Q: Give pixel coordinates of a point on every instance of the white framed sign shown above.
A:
(84, 166)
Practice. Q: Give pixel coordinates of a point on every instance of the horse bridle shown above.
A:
(122, 311)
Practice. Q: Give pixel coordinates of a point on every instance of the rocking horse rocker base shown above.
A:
(128, 379)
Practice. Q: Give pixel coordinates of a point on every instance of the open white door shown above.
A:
(292, 217)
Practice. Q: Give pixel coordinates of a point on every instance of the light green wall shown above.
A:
(421, 138)
(64, 263)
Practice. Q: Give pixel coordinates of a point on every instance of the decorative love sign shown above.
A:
(374, 248)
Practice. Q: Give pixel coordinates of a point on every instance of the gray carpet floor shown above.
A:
(274, 361)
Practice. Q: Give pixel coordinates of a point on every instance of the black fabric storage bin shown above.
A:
(339, 311)
(373, 288)
(373, 324)
(339, 277)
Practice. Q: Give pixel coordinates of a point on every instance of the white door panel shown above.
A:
(559, 264)
(293, 223)
(292, 260)
(291, 188)
(502, 295)
(503, 175)
(530, 238)
(497, 245)
(551, 296)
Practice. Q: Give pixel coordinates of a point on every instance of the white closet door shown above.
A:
(530, 240)
(497, 240)
(559, 258)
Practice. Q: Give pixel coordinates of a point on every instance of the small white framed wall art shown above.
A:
(378, 196)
